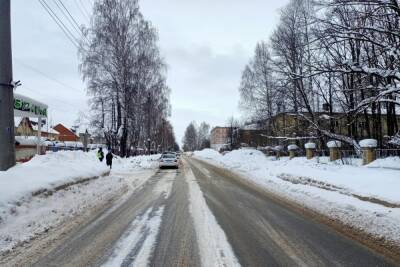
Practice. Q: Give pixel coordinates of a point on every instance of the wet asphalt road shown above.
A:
(261, 231)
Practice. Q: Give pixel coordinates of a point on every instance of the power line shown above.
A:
(45, 75)
(81, 10)
(70, 18)
(60, 24)
(84, 8)
(53, 99)
(68, 15)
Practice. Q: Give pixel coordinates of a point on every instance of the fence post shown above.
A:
(334, 152)
(278, 150)
(369, 150)
(292, 150)
(310, 150)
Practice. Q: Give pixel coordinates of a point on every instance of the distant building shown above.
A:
(66, 134)
(26, 127)
(220, 138)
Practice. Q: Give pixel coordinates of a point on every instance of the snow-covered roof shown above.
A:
(368, 143)
(28, 140)
(310, 146)
(293, 147)
(253, 126)
(17, 121)
(333, 144)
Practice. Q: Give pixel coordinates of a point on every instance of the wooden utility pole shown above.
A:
(7, 139)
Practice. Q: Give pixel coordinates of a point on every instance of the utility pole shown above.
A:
(7, 139)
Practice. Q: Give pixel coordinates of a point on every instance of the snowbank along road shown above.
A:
(200, 215)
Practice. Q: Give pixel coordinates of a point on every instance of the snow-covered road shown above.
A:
(199, 215)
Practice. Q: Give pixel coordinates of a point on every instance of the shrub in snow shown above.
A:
(333, 144)
(278, 148)
(368, 143)
(292, 147)
(310, 146)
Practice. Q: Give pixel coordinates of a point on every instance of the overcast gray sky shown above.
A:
(205, 43)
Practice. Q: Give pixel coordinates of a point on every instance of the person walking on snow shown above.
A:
(100, 154)
(109, 158)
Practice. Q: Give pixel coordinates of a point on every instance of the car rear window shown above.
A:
(168, 156)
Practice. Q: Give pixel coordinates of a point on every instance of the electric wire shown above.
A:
(44, 74)
(71, 19)
(60, 24)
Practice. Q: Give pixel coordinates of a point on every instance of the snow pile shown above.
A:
(390, 163)
(310, 146)
(365, 181)
(27, 220)
(207, 154)
(368, 143)
(47, 172)
(292, 147)
(135, 163)
(28, 140)
(333, 144)
(45, 192)
(362, 196)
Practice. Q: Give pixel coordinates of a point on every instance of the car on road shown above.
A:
(168, 160)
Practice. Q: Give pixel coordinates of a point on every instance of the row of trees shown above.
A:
(337, 56)
(196, 138)
(126, 78)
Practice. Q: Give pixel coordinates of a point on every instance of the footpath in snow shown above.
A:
(365, 197)
(51, 189)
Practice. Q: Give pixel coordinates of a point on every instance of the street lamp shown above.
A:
(149, 141)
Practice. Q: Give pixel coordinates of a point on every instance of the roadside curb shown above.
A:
(50, 191)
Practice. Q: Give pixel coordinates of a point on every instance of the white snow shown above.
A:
(28, 140)
(46, 172)
(292, 147)
(329, 187)
(208, 153)
(310, 146)
(368, 143)
(140, 238)
(23, 216)
(214, 247)
(390, 163)
(333, 144)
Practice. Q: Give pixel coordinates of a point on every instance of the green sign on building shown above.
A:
(27, 107)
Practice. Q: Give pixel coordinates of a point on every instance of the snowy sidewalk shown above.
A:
(365, 197)
(48, 190)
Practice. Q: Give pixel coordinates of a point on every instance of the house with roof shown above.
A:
(27, 127)
(65, 134)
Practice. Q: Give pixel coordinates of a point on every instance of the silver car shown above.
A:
(169, 160)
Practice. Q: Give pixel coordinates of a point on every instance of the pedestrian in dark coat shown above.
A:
(109, 158)
(100, 154)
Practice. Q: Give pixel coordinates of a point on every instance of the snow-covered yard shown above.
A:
(366, 197)
(50, 189)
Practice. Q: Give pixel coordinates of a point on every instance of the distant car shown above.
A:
(169, 160)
